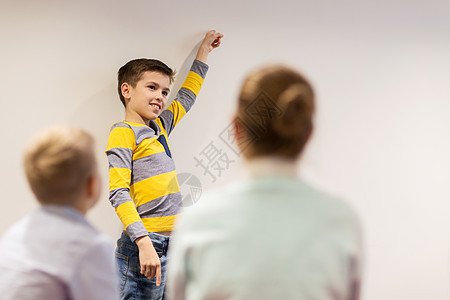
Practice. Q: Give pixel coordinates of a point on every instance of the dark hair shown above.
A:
(132, 72)
(275, 111)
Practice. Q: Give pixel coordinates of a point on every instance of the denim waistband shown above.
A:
(159, 241)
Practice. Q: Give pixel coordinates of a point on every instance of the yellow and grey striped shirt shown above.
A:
(143, 185)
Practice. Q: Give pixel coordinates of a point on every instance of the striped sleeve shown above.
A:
(121, 143)
(186, 96)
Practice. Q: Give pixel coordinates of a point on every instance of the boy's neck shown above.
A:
(133, 118)
(79, 209)
(80, 206)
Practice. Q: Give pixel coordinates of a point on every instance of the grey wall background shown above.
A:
(381, 70)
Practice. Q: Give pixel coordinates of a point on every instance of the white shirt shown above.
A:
(54, 253)
(269, 237)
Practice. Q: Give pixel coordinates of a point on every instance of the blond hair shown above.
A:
(58, 162)
(275, 110)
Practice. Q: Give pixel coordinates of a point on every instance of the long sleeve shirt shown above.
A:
(268, 237)
(54, 253)
(143, 185)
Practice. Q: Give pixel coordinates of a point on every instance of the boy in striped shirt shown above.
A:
(143, 186)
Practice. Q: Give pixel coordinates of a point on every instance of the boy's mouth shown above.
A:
(157, 106)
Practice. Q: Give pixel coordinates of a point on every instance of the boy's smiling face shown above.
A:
(147, 99)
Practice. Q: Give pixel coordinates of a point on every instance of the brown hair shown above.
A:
(275, 112)
(133, 70)
(58, 162)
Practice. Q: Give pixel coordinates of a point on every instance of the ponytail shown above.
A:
(297, 106)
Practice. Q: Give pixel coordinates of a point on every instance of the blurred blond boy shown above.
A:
(54, 253)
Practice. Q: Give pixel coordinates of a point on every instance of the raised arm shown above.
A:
(191, 87)
(211, 41)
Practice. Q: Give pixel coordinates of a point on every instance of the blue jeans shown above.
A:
(133, 284)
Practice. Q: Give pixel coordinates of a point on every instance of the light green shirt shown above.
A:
(266, 238)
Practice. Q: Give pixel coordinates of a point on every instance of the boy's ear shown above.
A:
(90, 186)
(93, 185)
(125, 90)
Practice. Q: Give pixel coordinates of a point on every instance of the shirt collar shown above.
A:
(271, 166)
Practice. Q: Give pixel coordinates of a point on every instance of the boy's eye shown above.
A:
(165, 93)
(152, 87)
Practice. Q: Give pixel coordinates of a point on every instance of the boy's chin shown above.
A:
(154, 116)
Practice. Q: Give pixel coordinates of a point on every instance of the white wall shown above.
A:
(381, 70)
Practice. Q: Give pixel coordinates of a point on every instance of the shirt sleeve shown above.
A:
(95, 277)
(121, 144)
(185, 97)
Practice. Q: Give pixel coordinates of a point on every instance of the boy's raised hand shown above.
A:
(209, 43)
